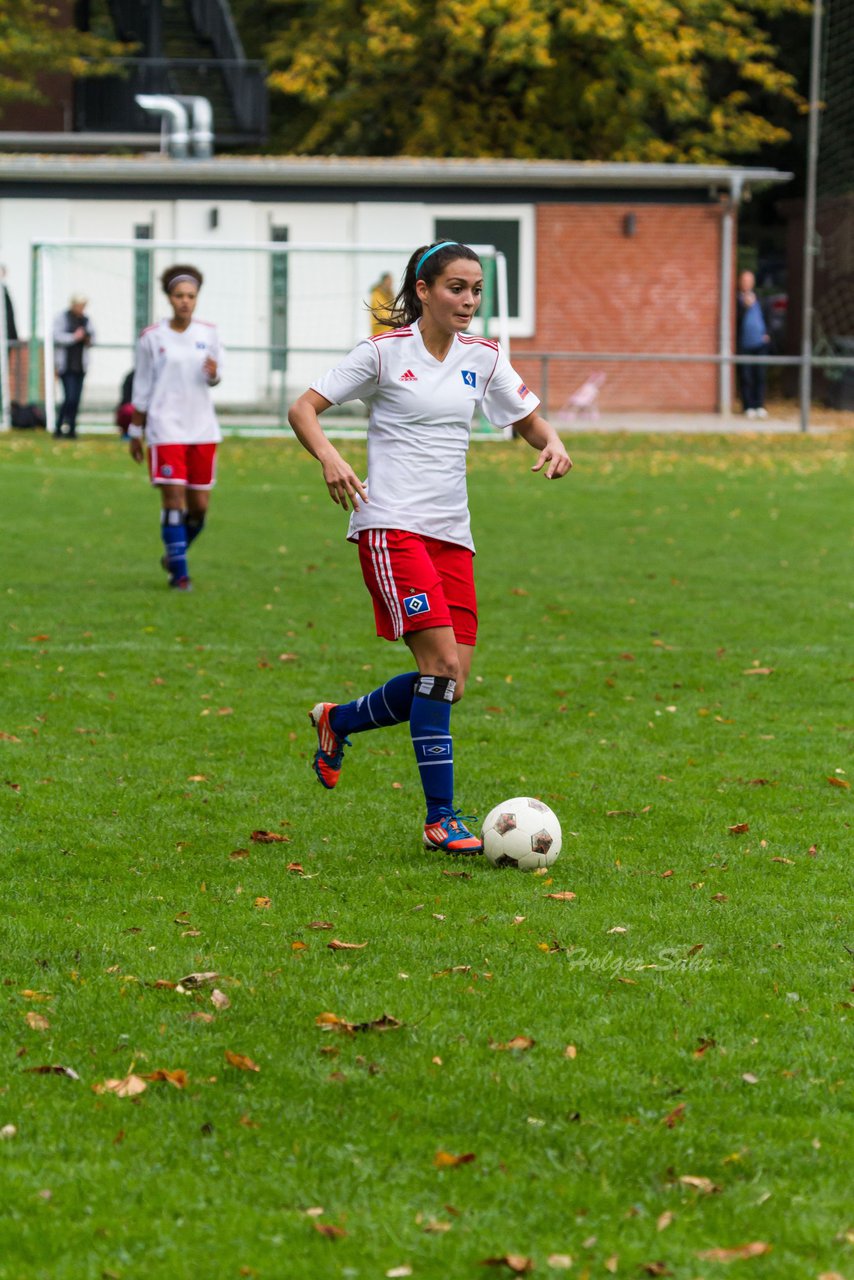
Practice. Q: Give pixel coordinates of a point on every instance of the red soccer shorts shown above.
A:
(418, 582)
(191, 465)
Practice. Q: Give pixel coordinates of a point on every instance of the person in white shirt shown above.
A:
(422, 382)
(177, 362)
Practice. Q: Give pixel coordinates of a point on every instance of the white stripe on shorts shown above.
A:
(385, 578)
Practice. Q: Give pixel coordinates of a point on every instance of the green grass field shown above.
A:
(665, 655)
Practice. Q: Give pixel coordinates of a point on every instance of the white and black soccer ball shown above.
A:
(522, 833)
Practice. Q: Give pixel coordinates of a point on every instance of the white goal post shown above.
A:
(285, 311)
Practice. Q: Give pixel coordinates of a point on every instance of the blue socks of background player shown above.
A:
(387, 705)
(430, 728)
(174, 537)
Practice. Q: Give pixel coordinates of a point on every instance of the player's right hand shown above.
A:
(136, 450)
(343, 483)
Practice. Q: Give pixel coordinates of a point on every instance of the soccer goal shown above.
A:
(285, 311)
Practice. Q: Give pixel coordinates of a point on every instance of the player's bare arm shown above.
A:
(541, 435)
(341, 480)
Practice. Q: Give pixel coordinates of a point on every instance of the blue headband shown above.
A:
(446, 244)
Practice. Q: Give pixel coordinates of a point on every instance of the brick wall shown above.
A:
(599, 289)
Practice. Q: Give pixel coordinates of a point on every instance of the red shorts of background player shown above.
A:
(190, 465)
(418, 582)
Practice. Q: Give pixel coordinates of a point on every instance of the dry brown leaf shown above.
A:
(336, 945)
(739, 829)
(321, 924)
(296, 868)
(628, 982)
(52, 1071)
(436, 1226)
(704, 1046)
(675, 1116)
(219, 999)
(444, 1159)
(299, 946)
(236, 854)
(195, 980)
(177, 1078)
(750, 1078)
(570, 1051)
(663, 1220)
(263, 904)
(840, 782)
(328, 1229)
(199, 1016)
(37, 1022)
(397, 1273)
(563, 896)
(704, 1185)
(758, 671)
(720, 897)
(656, 1269)
(789, 862)
(269, 837)
(130, 1086)
(559, 1261)
(240, 1061)
(514, 1262)
(754, 1249)
(518, 1042)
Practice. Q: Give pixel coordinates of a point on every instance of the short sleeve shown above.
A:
(507, 399)
(354, 378)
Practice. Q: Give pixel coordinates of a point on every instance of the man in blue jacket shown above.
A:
(752, 339)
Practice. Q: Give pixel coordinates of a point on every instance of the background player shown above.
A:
(422, 382)
(177, 363)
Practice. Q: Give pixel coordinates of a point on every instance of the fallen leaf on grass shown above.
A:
(446, 973)
(270, 837)
(199, 1016)
(704, 1185)
(656, 1269)
(128, 1087)
(336, 945)
(750, 1078)
(563, 896)
(570, 1051)
(436, 1226)
(299, 946)
(240, 1061)
(236, 854)
(195, 980)
(458, 875)
(219, 999)
(296, 868)
(519, 1043)
(8, 737)
(328, 1229)
(321, 924)
(789, 862)
(37, 1022)
(263, 904)
(177, 1078)
(739, 829)
(758, 671)
(720, 897)
(396, 1272)
(752, 1250)
(514, 1262)
(331, 1022)
(628, 982)
(52, 1071)
(704, 1046)
(444, 1159)
(560, 1261)
(675, 1116)
(840, 782)
(663, 1220)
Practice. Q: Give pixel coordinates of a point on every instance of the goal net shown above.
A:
(284, 312)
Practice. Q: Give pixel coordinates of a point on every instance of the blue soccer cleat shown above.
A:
(449, 834)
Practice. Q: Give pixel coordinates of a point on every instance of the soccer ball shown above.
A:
(521, 833)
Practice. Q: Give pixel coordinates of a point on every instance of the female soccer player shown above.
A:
(422, 382)
(177, 362)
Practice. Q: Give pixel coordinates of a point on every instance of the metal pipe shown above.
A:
(726, 282)
(809, 217)
(201, 132)
(175, 117)
(5, 402)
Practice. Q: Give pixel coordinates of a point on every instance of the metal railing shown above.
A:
(106, 104)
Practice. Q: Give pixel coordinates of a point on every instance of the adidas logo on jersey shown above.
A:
(409, 376)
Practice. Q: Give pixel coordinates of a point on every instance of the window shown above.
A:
(279, 303)
(142, 281)
(511, 230)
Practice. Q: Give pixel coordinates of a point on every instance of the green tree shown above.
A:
(32, 42)
(632, 80)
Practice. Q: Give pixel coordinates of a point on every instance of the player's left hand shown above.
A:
(555, 459)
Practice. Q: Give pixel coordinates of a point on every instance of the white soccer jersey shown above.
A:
(170, 386)
(419, 425)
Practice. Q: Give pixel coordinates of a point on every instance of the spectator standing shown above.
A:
(382, 297)
(73, 335)
(753, 339)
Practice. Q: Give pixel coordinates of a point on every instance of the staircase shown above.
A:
(188, 47)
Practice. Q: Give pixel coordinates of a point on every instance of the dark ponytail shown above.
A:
(406, 306)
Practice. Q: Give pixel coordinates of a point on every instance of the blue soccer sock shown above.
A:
(389, 704)
(174, 537)
(430, 727)
(194, 522)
